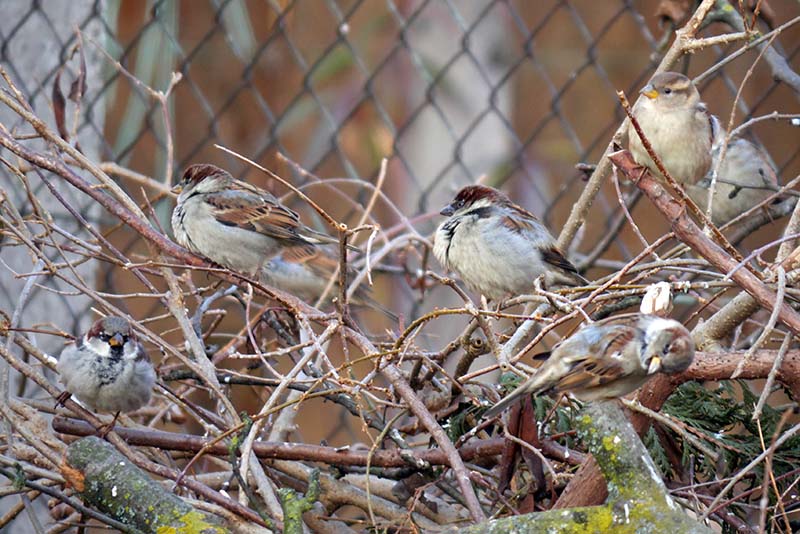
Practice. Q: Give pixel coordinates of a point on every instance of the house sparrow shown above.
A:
(677, 125)
(609, 359)
(498, 248)
(746, 177)
(235, 224)
(108, 369)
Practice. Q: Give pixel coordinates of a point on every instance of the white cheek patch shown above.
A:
(97, 345)
(129, 351)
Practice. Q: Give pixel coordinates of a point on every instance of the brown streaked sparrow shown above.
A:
(746, 177)
(107, 369)
(498, 248)
(677, 125)
(609, 359)
(235, 224)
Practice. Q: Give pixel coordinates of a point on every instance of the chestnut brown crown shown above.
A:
(471, 194)
(198, 172)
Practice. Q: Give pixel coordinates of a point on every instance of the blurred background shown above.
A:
(511, 92)
(514, 92)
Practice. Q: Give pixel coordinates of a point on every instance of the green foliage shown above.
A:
(724, 416)
(721, 416)
(462, 421)
(657, 452)
(468, 415)
(509, 382)
(561, 420)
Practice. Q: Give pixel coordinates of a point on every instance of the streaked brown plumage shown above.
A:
(235, 224)
(609, 359)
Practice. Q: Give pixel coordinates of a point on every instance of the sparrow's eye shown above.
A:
(667, 91)
(459, 204)
(667, 349)
(104, 337)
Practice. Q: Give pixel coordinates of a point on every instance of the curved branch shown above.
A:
(688, 232)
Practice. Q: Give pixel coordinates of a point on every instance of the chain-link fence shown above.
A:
(448, 91)
(512, 93)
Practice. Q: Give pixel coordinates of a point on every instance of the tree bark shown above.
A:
(107, 481)
(638, 499)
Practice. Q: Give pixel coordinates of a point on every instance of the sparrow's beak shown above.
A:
(117, 340)
(448, 210)
(649, 91)
(655, 365)
(177, 188)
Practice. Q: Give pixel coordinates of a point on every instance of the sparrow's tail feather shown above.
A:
(363, 300)
(513, 397)
(542, 356)
(318, 238)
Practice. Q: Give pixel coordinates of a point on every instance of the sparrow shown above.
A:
(677, 125)
(107, 369)
(609, 359)
(498, 248)
(746, 177)
(235, 224)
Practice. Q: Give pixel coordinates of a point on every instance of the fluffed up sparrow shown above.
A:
(746, 177)
(107, 368)
(609, 359)
(498, 248)
(677, 125)
(235, 224)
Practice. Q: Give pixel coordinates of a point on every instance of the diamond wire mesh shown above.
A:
(448, 91)
(503, 88)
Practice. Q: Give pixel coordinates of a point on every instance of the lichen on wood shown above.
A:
(295, 506)
(638, 501)
(109, 482)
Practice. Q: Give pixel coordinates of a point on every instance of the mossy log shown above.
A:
(109, 482)
(638, 501)
(295, 506)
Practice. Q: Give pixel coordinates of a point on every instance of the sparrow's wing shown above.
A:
(254, 209)
(321, 260)
(554, 257)
(599, 358)
(714, 126)
(522, 221)
(750, 164)
(255, 212)
(579, 362)
(766, 168)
